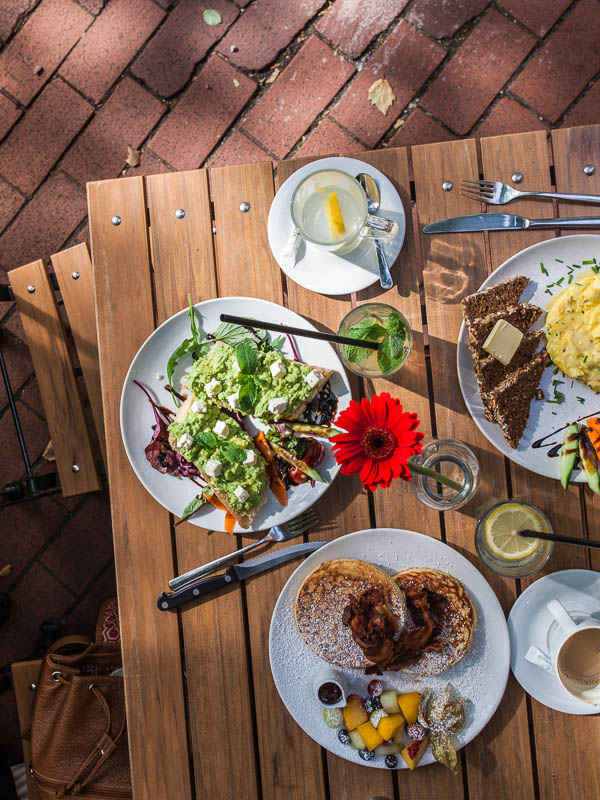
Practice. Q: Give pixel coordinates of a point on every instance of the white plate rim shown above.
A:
(392, 249)
(565, 704)
(213, 518)
(500, 631)
(463, 357)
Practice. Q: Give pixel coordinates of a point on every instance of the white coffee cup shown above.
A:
(582, 687)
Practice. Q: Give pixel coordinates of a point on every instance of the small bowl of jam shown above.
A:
(329, 689)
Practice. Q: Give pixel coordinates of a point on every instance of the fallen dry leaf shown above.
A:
(48, 454)
(381, 95)
(133, 157)
(6, 570)
(272, 76)
(211, 16)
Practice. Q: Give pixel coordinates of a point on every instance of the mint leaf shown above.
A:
(233, 453)
(395, 324)
(397, 345)
(206, 439)
(384, 357)
(248, 393)
(191, 508)
(354, 354)
(368, 329)
(277, 342)
(247, 358)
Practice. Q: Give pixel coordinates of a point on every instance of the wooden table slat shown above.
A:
(290, 762)
(78, 297)
(153, 673)
(59, 390)
(213, 628)
(344, 509)
(454, 265)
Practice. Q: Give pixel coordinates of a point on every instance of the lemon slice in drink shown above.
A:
(501, 529)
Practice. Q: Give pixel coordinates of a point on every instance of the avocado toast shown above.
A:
(225, 455)
(277, 388)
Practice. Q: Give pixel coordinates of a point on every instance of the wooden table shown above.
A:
(204, 717)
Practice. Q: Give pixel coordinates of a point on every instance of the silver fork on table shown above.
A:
(496, 193)
(279, 533)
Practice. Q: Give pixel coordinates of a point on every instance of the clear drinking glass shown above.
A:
(315, 218)
(513, 568)
(379, 312)
(452, 459)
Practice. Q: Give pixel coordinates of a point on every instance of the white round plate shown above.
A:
(137, 417)
(481, 675)
(530, 622)
(325, 272)
(546, 418)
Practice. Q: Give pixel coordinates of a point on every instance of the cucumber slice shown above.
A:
(589, 461)
(388, 749)
(568, 453)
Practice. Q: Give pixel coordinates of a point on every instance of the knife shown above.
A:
(237, 572)
(501, 222)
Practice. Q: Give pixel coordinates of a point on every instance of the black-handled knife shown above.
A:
(167, 601)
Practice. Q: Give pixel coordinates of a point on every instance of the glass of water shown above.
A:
(329, 209)
(453, 460)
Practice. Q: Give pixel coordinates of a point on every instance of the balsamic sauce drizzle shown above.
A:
(554, 446)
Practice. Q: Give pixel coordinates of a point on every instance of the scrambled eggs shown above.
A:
(573, 329)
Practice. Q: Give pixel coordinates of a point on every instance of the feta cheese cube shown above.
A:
(212, 387)
(278, 369)
(241, 494)
(213, 467)
(277, 405)
(184, 442)
(250, 457)
(221, 428)
(313, 377)
(234, 400)
(198, 407)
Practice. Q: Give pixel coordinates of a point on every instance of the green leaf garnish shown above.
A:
(248, 393)
(543, 268)
(206, 439)
(233, 452)
(212, 17)
(172, 363)
(233, 334)
(247, 359)
(194, 505)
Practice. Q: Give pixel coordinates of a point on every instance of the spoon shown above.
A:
(371, 190)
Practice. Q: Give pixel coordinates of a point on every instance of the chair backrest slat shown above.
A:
(73, 269)
(60, 394)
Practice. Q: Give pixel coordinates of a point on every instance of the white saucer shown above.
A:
(530, 622)
(325, 272)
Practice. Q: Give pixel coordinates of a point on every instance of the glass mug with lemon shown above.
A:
(500, 546)
(329, 209)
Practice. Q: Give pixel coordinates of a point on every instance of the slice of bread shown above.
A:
(496, 298)
(490, 372)
(243, 520)
(509, 402)
(522, 316)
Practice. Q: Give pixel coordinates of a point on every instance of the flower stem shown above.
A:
(436, 476)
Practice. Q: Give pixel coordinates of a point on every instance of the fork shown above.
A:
(279, 533)
(497, 193)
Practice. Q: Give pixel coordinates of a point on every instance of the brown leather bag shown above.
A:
(78, 728)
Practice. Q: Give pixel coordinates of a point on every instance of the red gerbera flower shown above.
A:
(381, 438)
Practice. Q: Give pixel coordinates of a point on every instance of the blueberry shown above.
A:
(344, 736)
(391, 761)
(366, 755)
(372, 704)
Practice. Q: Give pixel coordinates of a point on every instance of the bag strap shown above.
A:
(100, 753)
(67, 640)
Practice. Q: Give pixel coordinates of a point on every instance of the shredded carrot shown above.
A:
(214, 500)
(594, 433)
(229, 522)
(277, 484)
(265, 448)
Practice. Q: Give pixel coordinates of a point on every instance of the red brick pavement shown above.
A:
(81, 80)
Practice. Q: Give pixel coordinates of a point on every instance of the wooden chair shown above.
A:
(25, 675)
(74, 442)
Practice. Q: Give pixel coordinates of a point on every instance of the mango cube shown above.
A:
(354, 712)
(371, 737)
(409, 705)
(388, 726)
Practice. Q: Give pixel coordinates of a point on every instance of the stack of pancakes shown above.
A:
(506, 390)
(354, 615)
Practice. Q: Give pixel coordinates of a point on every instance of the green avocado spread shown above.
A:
(221, 364)
(229, 450)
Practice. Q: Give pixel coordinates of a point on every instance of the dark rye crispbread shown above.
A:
(503, 295)
(522, 316)
(491, 372)
(509, 402)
